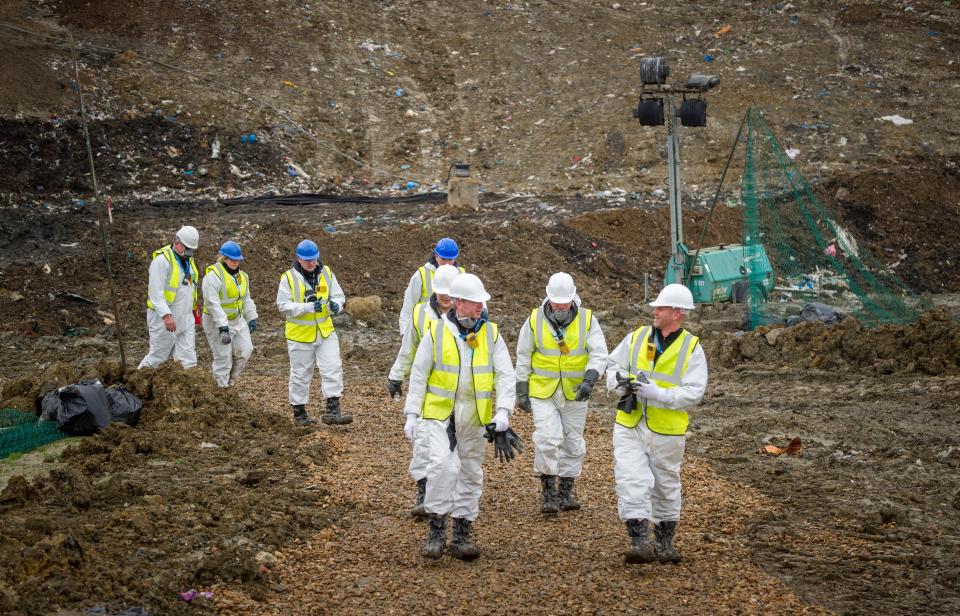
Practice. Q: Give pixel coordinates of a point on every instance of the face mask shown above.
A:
(467, 322)
(187, 252)
(562, 316)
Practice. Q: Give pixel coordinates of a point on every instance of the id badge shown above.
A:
(651, 351)
(564, 349)
(472, 341)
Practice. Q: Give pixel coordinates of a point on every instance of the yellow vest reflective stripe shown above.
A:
(232, 292)
(667, 373)
(549, 365)
(304, 328)
(423, 318)
(445, 376)
(426, 280)
(176, 276)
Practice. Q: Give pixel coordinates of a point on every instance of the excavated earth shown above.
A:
(217, 491)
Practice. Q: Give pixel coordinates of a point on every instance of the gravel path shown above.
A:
(369, 561)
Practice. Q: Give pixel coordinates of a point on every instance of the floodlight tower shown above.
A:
(691, 112)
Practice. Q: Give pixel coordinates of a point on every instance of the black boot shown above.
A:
(419, 511)
(663, 534)
(568, 502)
(333, 415)
(549, 499)
(300, 416)
(460, 545)
(436, 537)
(641, 550)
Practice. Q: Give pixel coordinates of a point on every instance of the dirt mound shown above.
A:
(904, 212)
(199, 494)
(931, 346)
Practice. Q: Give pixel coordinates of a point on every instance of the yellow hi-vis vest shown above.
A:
(423, 319)
(550, 367)
(177, 276)
(304, 328)
(233, 291)
(426, 281)
(667, 372)
(445, 376)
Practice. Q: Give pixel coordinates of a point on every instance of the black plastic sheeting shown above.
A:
(317, 198)
(85, 407)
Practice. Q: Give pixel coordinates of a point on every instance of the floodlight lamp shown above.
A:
(654, 70)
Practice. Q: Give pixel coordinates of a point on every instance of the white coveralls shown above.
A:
(455, 478)
(399, 372)
(182, 342)
(559, 447)
(647, 464)
(324, 353)
(413, 296)
(228, 359)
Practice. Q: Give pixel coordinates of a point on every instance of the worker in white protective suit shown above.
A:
(561, 353)
(459, 363)
(425, 314)
(171, 301)
(309, 296)
(229, 314)
(659, 372)
(420, 287)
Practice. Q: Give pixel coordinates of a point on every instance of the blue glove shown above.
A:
(252, 325)
(334, 308)
(318, 305)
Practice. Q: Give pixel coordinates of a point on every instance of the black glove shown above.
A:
(523, 396)
(394, 388)
(224, 334)
(504, 443)
(252, 325)
(452, 433)
(311, 298)
(585, 388)
(334, 308)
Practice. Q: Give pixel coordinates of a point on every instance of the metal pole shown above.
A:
(673, 179)
(96, 202)
(646, 287)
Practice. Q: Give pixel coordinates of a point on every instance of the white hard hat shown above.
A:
(443, 277)
(468, 287)
(189, 237)
(560, 288)
(674, 296)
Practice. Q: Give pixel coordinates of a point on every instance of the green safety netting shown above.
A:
(814, 258)
(21, 432)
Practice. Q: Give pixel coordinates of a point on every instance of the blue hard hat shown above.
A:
(231, 250)
(447, 248)
(308, 250)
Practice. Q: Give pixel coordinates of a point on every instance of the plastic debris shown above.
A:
(792, 153)
(329, 228)
(248, 138)
(793, 448)
(897, 120)
(190, 595)
(708, 57)
(725, 29)
(399, 92)
(289, 83)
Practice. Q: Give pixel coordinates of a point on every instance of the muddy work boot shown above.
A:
(419, 511)
(663, 534)
(333, 416)
(641, 550)
(300, 416)
(568, 502)
(460, 545)
(549, 498)
(436, 537)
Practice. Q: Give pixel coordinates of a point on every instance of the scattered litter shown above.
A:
(658, 193)
(190, 595)
(404, 167)
(329, 228)
(793, 448)
(399, 92)
(248, 138)
(897, 120)
(792, 153)
(410, 185)
(46, 268)
(725, 29)
(78, 202)
(794, 20)
(708, 57)
(215, 149)
(206, 445)
(289, 84)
